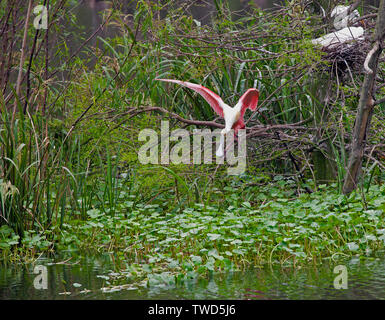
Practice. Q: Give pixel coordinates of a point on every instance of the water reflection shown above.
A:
(100, 278)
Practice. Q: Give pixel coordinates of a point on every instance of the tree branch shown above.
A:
(365, 106)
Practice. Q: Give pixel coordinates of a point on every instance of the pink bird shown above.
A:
(233, 116)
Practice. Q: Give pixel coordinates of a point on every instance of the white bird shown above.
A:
(334, 38)
(341, 17)
(343, 33)
(233, 116)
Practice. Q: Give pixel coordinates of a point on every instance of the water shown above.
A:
(87, 277)
(89, 16)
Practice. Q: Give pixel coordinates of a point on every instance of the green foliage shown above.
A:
(274, 226)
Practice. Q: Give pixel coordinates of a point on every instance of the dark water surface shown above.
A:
(89, 14)
(86, 277)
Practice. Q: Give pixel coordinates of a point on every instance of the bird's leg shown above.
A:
(221, 151)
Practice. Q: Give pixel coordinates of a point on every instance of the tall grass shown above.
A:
(28, 163)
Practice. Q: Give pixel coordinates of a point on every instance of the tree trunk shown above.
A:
(365, 105)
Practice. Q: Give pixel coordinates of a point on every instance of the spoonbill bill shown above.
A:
(233, 115)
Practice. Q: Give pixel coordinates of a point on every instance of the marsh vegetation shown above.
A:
(73, 101)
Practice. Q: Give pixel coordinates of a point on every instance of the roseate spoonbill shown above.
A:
(233, 116)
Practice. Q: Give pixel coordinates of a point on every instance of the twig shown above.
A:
(353, 6)
(379, 101)
(29, 66)
(176, 116)
(22, 59)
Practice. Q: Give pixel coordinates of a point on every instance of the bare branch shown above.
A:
(369, 57)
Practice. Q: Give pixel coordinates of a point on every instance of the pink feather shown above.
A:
(249, 100)
(212, 98)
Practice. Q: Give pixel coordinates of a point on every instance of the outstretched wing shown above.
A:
(248, 100)
(212, 98)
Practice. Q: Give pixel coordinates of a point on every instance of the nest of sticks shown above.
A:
(347, 57)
